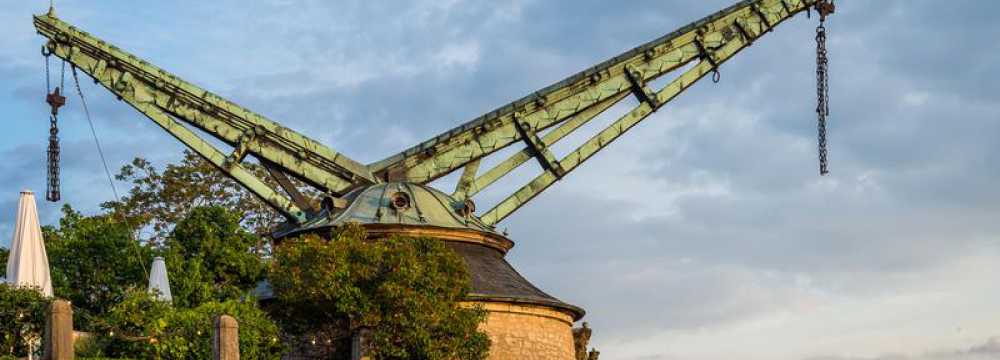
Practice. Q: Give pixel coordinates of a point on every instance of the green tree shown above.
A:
(198, 219)
(210, 256)
(93, 260)
(211, 264)
(142, 327)
(162, 199)
(405, 292)
(22, 314)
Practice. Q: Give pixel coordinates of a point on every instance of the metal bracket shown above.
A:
(756, 10)
(824, 8)
(241, 148)
(705, 55)
(293, 192)
(542, 153)
(639, 87)
(743, 31)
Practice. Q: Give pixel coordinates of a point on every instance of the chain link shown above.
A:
(822, 94)
(52, 192)
(52, 186)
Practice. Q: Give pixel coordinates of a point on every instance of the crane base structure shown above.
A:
(522, 321)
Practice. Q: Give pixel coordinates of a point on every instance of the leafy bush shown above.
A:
(93, 261)
(209, 257)
(22, 314)
(142, 327)
(404, 291)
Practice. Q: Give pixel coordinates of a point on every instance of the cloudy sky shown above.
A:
(705, 233)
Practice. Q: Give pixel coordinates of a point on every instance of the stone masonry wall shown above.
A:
(525, 332)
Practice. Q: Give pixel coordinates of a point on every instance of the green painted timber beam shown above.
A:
(514, 161)
(155, 92)
(711, 43)
(560, 109)
(562, 101)
(119, 83)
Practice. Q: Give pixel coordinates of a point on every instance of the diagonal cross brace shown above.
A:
(642, 91)
(713, 46)
(467, 181)
(538, 148)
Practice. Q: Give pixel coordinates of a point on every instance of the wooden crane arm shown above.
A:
(539, 120)
(570, 103)
(171, 103)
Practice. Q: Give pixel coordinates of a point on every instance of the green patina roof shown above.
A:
(374, 205)
(492, 278)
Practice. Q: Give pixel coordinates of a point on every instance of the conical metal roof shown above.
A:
(28, 264)
(399, 203)
(415, 209)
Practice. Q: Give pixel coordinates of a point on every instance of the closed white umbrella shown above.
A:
(159, 284)
(28, 265)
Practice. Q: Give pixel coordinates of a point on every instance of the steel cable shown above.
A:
(107, 172)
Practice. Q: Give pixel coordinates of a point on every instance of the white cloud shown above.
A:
(915, 98)
(464, 54)
(949, 307)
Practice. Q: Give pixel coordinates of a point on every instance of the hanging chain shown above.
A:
(55, 101)
(824, 8)
(52, 192)
(822, 95)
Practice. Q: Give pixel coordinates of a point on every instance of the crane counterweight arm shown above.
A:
(704, 45)
(170, 102)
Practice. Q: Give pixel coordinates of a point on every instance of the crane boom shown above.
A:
(572, 102)
(169, 101)
(538, 120)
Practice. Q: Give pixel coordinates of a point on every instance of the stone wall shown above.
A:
(527, 332)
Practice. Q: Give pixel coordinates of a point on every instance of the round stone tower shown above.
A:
(523, 321)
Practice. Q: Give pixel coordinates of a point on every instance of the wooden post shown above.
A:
(359, 345)
(226, 341)
(59, 331)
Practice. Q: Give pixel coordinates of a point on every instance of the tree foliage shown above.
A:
(210, 256)
(142, 327)
(93, 260)
(405, 292)
(22, 315)
(161, 199)
(198, 220)
(96, 264)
